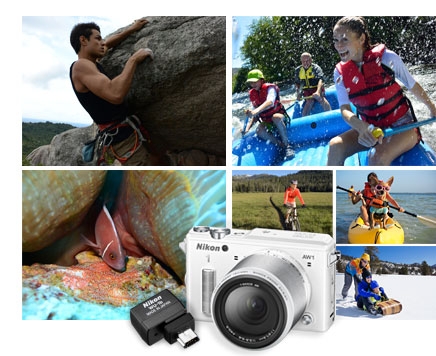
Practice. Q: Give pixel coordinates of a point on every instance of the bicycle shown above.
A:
(292, 223)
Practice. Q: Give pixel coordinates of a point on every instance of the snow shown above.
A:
(416, 294)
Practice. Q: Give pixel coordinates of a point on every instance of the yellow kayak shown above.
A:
(359, 233)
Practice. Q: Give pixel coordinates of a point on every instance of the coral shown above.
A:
(91, 289)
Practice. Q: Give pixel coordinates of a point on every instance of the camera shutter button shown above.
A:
(218, 234)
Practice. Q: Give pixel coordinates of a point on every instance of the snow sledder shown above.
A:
(373, 298)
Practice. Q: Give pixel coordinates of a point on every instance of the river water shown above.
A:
(424, 75)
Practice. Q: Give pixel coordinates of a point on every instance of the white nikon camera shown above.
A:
(257, 285)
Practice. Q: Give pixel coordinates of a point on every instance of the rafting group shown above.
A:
(367, 111)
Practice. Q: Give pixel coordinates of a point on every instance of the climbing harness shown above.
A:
(103, 142)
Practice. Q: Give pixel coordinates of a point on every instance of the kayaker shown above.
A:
(353, 273)
(291, 193)
(366, 76)
(121, 135)
(369, 293)
(268, 109)
(368, 193)
(309, 83)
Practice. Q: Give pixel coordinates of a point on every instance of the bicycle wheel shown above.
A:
(295, 225)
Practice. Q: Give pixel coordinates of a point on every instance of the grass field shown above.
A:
(251, 210)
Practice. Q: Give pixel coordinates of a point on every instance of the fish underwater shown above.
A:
(107, 242)
(150, 211)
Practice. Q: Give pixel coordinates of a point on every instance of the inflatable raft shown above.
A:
(359, 233)
(310, 136)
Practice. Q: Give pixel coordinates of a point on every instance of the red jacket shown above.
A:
(378, 98)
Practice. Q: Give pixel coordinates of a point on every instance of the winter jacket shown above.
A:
(353, 267)
(365, 290)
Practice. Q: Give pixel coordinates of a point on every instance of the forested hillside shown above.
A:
(39, 134)
(308, 181)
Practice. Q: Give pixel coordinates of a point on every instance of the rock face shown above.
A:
(179, 96)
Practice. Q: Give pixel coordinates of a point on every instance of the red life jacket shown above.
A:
(378, 98)
(259, 97)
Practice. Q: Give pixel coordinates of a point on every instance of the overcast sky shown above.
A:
(46, 88)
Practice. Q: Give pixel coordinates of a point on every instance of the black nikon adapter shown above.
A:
(164, 316)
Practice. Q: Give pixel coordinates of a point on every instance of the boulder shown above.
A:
(179, 95)
(65, 149)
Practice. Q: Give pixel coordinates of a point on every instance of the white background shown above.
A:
(347, 335)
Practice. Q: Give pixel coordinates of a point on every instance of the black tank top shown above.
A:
(100, 110)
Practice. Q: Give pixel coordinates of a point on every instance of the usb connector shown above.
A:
(187, 338)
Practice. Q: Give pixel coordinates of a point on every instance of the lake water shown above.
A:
(415, 232)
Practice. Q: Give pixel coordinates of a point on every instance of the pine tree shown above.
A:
(403, 270)
(425, 269)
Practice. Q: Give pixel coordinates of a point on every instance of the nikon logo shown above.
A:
(150, 302)
(207, 247)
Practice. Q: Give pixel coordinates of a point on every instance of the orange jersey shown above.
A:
(291, 194)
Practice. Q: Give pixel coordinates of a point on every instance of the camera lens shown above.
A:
(260, 300)
(250, 309)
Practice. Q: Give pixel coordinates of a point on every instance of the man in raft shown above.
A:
(309, 83)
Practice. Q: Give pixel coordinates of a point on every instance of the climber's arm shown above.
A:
(117, 38)
(86, 76)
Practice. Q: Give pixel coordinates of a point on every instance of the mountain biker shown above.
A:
(291, 193)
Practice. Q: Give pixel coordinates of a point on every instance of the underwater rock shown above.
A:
(54, 203)
(158, 208)
(91, 289)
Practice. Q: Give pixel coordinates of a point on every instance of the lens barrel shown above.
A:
(260, 300)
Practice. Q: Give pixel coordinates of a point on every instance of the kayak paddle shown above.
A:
(426, 221)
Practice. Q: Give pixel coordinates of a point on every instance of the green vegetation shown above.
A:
(39, 134)
(251, 210)
(275, 44)
(309, 181)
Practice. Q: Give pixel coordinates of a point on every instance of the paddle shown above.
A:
(288, 118)
(426, 221)
(400, 129)
(241, 145)
(295, 101)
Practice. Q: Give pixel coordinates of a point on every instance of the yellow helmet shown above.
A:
(365, 257)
